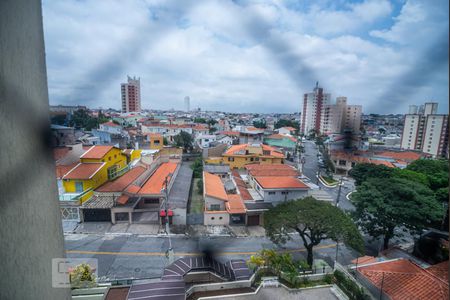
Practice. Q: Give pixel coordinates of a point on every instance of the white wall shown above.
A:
(217, 218)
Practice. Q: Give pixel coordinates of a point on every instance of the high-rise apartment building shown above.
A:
(313, 106)
(187, 104)
(340, 117)
(426, 131)
(131, 95)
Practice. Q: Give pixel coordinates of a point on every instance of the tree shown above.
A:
(197, 167)
(200, 120)
(362, 172)
(287, 123)
(314, 221)
(411, 176)
(382, 206)
(436, 171)
(82, 276)
(80, 118)
(59, 119)
(184, 140)
(260, 124)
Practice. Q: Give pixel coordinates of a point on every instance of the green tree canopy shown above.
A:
(411, 176)
(382, 206)
(184, 140)
(436, 171)
(197, 168)
(260, 124)
(200, 120)
(314, 221)
(287, 123)
(362, 172)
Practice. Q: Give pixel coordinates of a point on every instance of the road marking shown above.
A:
(181, 254)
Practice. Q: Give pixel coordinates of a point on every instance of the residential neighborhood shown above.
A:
(232, 150)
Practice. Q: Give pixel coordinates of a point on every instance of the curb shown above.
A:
(348, 195)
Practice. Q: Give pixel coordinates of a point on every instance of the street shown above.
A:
(137, 256)
(310, 169)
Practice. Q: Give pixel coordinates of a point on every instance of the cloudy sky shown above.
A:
(248, 56)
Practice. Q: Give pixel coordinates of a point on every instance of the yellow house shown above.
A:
(132, 154)
(238, 156)
(156, 141)
(98, 165)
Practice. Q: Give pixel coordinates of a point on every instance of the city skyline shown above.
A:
(249, 57)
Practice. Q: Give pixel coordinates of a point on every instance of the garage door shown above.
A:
(253, 220)
(97, 215)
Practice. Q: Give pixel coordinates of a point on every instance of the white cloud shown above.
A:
(259, 56)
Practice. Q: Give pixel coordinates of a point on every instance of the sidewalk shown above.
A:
(105, 228)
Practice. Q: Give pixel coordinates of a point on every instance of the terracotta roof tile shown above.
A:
(123, 199)
(155, 183)
(112, 124)
(404, 155)
(60, 152)
(132, 189)
(84, 171)
(62, 170)
(280, 182)
(237, 149)
(121, 183)
(272, 170)
(440, 270)
(403, 280)
(214, 186)
(235, 205)
(241, 186)
(96, 152)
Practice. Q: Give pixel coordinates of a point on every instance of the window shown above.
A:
(342, 162)
(230, 158)
(284, 193)
(220, 218)
(214, 207)
(212, 218)
(256, 158)
(109, 158)
(115, 155)
(271, 193)
(78, 186)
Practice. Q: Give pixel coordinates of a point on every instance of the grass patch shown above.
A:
(197, 202)
(329, 180)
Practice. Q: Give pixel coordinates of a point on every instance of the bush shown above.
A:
(349, 287)
(82, 276)
(328, 278)
(200, 186)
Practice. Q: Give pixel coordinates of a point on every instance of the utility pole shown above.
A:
(169, 253)
(339, 192)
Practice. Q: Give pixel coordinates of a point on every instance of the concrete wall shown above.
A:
(30, 220)
(217, 218)
(213, 201)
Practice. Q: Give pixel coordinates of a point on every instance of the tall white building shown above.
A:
(426, 131)
(313, 107)
(131, 95)
(187, 103)
(340, 117)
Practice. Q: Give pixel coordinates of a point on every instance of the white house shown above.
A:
(276, 189)
(111, 127)
(204, 140)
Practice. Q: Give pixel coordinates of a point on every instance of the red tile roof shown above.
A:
(96, 152)
(236, 149)
(60, 152)
(233, 133)
(112, 124)
(62, 170)
(123, 199)
(272, 170)
(404, 155)
(155, 183)
(403, 280)
(289, 128)
(121, 183)
(280, 137)
(132, 189)
(84, 171)
(280, 182)
(235, 205)
(214, 186)
(364, 260)
(245, 195)
(382, 162)
(440, 270)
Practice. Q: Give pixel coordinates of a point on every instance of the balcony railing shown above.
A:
(73, 196)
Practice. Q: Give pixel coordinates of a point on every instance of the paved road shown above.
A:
(134, 256)
(310, 169)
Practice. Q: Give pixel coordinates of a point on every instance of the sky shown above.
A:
(248, 56)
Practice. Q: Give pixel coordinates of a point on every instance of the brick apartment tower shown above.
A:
(313, 104)
(131, 95)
